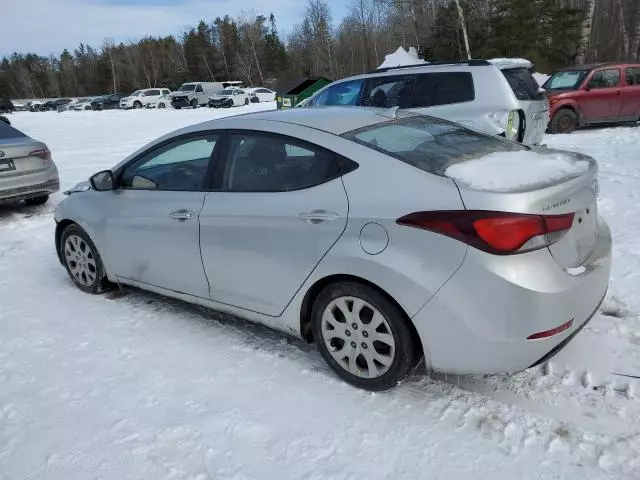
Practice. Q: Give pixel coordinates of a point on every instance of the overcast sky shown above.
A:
(48, 26)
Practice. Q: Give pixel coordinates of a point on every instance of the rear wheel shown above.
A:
(564, 121)
(41, 200)
(363, 336)
(82, 260)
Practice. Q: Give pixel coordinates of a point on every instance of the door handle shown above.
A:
(318, 216)
(181, 214)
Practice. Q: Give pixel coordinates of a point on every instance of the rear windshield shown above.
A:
(430, 144)
(523, 84)
(7, 131)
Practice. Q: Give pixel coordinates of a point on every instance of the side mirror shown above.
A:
(102, 181)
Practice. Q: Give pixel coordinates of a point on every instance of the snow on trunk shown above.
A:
(585, 35)
(505, 171)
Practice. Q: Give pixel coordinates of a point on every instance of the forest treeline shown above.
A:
(551, 33)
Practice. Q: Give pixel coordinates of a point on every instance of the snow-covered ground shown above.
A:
(142, 387)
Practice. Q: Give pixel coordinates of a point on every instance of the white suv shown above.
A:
(500, 98)
(141, 98)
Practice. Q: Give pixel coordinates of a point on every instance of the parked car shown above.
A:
(229, 97)
(107, 102)
(261, 94)
(163, 101)
(82, 104)
(593, 94)
(34, 105)
(6, 106)
(55, 105)
(372, 248)
(19, 107)
(474, 93)
(27, 171)
(195, 94)
(141, 98)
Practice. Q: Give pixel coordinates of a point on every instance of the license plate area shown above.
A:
(7, 165)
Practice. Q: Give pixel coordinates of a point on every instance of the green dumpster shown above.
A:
(298, 90)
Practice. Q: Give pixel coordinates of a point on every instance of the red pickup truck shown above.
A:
(591, 94)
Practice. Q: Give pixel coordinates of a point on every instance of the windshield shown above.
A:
(427, 143)
(567, 80)
(7, 131)
(187, 87)
(226, 92)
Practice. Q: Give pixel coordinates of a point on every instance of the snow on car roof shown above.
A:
(511, 62)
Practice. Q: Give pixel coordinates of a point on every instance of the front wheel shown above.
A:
(161, 105)
(564, 121)
(41, 200)
(363, 336)
(137, 104)
(82, 260)
(194, 103)
(246, 101)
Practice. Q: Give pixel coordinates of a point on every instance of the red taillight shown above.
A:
(42, 153)
(552, 332)
(498, 233)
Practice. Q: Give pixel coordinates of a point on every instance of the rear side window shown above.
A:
(419, 90)
(523, 84)
(7, 131)
(633, 76)
(427, 143)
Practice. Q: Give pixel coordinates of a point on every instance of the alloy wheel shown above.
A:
(81, 260)
(358, 337)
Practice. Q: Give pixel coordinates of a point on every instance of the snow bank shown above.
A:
(541, 78)
(401, 57)
(502, 171)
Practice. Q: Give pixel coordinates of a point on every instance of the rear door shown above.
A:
(631, 94)
(603, 100)
(281, 208)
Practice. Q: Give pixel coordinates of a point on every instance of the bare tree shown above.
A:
(251, 26)
(464, 29)
(635, 47)
(585, 35)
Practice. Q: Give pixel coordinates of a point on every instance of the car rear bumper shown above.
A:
(31, 185)
(480, 320)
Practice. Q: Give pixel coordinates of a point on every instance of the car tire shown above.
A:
(194, 103)
(373, 358)
(246, 101)
(82, 261)
(161, 105)
(137, 104)
(564, 121)
(41, 200)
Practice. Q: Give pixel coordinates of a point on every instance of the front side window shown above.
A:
(180, 165)
(427, 143)
(633, 76)
(272, 163)
(199, 88)
(605, 78)
(187, 87)
(344, 93)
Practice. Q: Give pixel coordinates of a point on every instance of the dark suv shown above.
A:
(107, 102)
(592, 94)
(6, 106)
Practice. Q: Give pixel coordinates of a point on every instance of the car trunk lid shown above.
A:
(20, 156)
(563, 183)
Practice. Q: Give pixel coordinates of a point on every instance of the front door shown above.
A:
(282, 207)
(603, 100)
(152, 228)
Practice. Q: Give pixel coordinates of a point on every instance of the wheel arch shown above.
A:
(313, 292)
(569, 105)
(60, 227)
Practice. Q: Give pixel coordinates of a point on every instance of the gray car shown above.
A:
(27, 171)
(363, 230)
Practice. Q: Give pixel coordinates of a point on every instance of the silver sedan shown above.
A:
(27, 171)
(384, 237)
